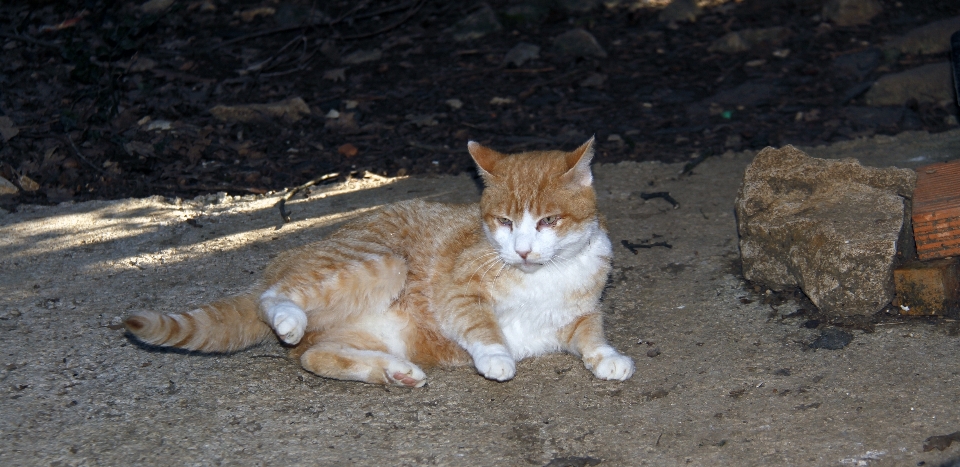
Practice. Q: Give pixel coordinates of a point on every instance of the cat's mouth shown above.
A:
(528, 266)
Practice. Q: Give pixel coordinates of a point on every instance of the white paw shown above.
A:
(405, 374)
(613, 366)
(494, 362)
(289, 324)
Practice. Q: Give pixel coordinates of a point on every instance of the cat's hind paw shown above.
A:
(494, 362)
(405, 374)
(611, 365)
(289, 324)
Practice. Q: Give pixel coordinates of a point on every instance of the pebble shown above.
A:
(522, 53)
(579, 43)
(476, 25)
(851, 12)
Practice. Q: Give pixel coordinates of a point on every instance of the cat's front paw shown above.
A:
(406, 374)
(610, 365)
(289, 324)
(494, 362)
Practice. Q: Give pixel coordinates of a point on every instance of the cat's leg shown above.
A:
(475, 329)
(584, 337)
(286, 318)
(357, 361)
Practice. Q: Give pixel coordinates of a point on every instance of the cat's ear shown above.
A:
(485, 157)
(578, 163)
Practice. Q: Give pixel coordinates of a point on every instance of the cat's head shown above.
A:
(538, 207)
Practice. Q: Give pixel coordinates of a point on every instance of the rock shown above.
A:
(289, 110)
(578, 6)
(830, 227)
(851, 12)
(594, 80)
(476, 25)
(454, 104)
(526, 13)
(7, 187)
(362, 56)
(927, 83)
(933, 38)
(741, 41)
(858, 64)
(680, 10)
(8, 129)
(579, 43)
(521, 53)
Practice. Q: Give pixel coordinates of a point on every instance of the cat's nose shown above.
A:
(523, 254)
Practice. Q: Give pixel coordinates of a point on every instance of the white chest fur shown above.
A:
(531, 311)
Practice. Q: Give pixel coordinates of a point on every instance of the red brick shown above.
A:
(936, 210)
(927, 288)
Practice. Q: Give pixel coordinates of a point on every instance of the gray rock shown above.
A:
(680, 10)
(526, 13)
(830, 227)
(858, 64)
(362, 56)
(741, 41)
(851, 12)
(933, 38)
(476, 25)
(521, 53)
(579, 43)
(927, 83)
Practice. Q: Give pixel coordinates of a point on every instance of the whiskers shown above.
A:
(488, 261)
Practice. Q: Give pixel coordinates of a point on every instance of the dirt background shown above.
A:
(726, 374)
(111, 102)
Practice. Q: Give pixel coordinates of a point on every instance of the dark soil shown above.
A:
(83, 81)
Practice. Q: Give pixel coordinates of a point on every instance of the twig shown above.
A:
(282, 204)
(429, 147)
(661, 194)
(384, 29)
(635, 247)
(81, 156)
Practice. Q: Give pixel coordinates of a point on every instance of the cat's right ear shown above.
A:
(485, 158)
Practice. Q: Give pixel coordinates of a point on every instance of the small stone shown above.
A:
(424, 120)
(362, 56)
(333, 113)
(522, 53)
(594, 80)
(832, 339)
(476, 25)
(139, 148)
(654, 352)
(931, 83)
(680, 10)
(851, 12)
(502, 101)
(336, 74)
(526, 13)
(742, 41)
(579, 43)
(7, 187)
(830, 227)
(158, 125)
(934, 38)
(8, 129)
(454, 104)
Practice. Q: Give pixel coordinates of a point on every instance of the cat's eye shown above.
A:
(505, 222)
(548, 221)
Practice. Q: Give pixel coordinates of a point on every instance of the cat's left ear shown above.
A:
(485, 158)
(578, 162)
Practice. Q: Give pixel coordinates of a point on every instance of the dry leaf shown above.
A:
(8, 129)
(28, 184)
(348, 150)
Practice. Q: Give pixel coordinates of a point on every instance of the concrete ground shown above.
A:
(722, 379)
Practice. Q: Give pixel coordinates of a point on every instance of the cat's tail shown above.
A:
(224, 326)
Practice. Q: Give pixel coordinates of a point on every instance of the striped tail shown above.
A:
(225, 326)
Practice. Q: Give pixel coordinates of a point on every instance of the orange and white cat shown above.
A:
(418, 284)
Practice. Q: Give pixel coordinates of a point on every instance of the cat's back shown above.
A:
(415, 228)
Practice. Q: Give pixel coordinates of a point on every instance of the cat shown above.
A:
(418, 284)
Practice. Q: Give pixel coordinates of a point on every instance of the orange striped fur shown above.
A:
(417, 284)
